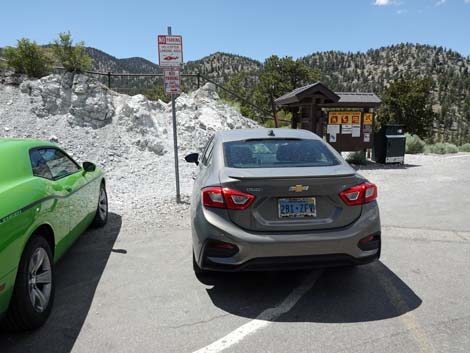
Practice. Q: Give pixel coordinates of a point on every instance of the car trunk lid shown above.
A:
(273, 187)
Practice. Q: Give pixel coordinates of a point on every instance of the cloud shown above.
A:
(442, 2)
(385, 2)
(467, 1)
(388, 2)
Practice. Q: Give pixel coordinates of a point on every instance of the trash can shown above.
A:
(389, 144)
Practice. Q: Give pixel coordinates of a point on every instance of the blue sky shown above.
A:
(254, 28)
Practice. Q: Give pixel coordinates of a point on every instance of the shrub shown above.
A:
(3, 64)
(158, 93)
(414, 144)
(72, 57)
(438, 148)
(465, 147)
(441, 148)
(358, 157)
(451, 148)
(28, 58)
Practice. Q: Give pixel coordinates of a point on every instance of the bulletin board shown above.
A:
(350, 130)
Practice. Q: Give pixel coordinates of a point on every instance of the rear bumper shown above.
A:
(287, 263)
(289, 250)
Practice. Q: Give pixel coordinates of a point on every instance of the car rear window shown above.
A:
(269, 153)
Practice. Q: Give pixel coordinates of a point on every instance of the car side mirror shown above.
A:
(192, 158)
(89, 167)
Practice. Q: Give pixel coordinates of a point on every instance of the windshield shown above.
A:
(269, 153)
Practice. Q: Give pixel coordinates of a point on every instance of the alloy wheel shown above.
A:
(103, 204)
(40, 279)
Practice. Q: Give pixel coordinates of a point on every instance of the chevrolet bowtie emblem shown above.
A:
(298, 188)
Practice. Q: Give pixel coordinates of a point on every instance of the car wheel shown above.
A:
(101, 216)
(196, 268)
(33, 294)
(203, 276)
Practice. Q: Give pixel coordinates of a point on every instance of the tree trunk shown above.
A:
(273, 107)
(295, 116)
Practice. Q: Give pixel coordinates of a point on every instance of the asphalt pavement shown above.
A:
(131, 288)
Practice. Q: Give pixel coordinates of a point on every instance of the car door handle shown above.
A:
(68, 189)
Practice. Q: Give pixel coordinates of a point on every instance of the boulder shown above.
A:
(206, 93)
(50, 95)
(91, 103)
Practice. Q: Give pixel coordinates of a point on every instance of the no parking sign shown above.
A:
(171, 80)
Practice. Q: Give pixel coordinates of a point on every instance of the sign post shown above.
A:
(170, 58)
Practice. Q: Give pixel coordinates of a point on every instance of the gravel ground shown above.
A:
(130, 287)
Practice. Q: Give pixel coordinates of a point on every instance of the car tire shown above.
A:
(203, 276)
(196, 268)
(101, 216)
(33, 293)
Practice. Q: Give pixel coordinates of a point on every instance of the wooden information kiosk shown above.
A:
(344, 119)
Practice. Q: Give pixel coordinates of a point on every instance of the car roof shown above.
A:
(247, 134)
(11, 143)
(14, 158)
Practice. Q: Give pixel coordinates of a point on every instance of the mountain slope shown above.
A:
(369, 71)
(373, 70)
(104, 62)
(220, 66)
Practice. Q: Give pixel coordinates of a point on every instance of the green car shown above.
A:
(46, 201)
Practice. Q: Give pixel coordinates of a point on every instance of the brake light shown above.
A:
(216, 196)
(359, 194)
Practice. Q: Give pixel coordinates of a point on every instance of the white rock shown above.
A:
(130, 137)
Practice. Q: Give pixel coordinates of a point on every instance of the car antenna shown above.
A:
(271, 133)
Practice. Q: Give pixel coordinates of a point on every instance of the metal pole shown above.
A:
(175, 141)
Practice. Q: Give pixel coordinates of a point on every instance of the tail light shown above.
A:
(216, 196)
(359, 194)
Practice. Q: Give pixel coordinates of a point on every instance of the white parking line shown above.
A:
(263, 319)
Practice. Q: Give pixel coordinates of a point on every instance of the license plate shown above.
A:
(297, 207)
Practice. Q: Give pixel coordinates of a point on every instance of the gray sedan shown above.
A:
(270, 199)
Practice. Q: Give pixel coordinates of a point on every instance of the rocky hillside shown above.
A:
(129, 136)
(221, 66)
(369, 71)
(104, 62)
(373, 70)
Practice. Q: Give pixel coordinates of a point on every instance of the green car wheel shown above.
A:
(101, 216)
(33, 294)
